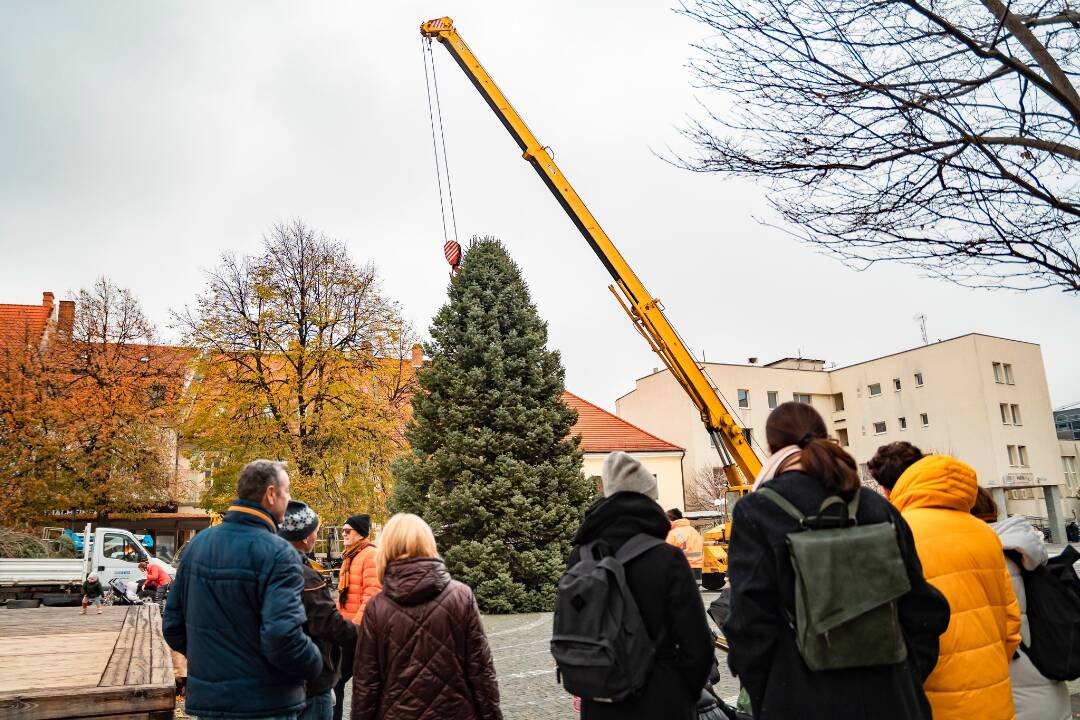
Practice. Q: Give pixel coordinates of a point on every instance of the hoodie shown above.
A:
(1035, 697)
(961, 556)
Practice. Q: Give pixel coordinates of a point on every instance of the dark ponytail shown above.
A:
(822, 457)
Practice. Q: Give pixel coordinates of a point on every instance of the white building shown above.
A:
(979, 398)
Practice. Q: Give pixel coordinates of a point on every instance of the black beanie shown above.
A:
(360, 523)
(299, 521)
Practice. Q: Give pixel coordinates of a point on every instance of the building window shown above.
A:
(744, 398)
(802, 398)
(998, 378)
(748, 435)
(1008, 374)
(773, 398)
(1004, 409)
(903, 423)
(1068, 462)
(838, 402)
(1016, 415)
(879, 427)
(1011, 449)
(1021, 450)
(918, 380)
(842, 436)
(896, 384)
(875, 389)
(925, 419)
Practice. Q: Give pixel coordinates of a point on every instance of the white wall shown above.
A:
(959, 395)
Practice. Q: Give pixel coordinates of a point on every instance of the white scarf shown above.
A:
(775, 463)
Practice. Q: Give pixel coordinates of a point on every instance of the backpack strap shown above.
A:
(852, 507)
(636, 546)
(783, 503)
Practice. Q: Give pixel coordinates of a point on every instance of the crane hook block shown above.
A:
(452, 251)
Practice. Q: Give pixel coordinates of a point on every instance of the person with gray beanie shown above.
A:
(663, 588)
(325, 625)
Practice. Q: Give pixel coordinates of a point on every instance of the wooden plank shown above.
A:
(115, 672)
(141, 659)
(92, 702)
(58, 621)
(62, 662)
(161, 668)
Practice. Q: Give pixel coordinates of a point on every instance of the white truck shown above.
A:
(110, 553)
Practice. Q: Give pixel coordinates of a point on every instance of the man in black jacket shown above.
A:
(663, 588)
(324, 625)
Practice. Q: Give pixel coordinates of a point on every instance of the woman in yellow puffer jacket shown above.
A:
(961, 556)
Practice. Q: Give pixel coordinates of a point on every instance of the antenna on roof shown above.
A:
(921, 317)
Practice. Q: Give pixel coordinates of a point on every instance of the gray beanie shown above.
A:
(622, 473)
(299, 521)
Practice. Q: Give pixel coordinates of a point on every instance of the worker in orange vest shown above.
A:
(683, 536)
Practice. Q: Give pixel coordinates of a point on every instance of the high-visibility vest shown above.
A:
(687, 539)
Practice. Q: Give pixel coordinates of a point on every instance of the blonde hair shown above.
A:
(405, 536)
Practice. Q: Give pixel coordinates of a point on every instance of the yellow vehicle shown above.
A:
(646, 312)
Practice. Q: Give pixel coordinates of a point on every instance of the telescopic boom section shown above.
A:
(645, 311)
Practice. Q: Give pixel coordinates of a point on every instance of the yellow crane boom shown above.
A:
(645, 311)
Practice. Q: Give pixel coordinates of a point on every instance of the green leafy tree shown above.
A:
(493, 469)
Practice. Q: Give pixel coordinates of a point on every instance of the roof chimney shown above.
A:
(47, 303)
(65, 321)
(417, 355)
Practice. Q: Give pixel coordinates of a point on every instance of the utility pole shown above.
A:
(921, 317)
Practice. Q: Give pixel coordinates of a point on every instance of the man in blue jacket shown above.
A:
(235, 609)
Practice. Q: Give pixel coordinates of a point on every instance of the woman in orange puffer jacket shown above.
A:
(961, 556)
(358, 583)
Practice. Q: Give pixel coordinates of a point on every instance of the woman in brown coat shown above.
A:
(422, 653)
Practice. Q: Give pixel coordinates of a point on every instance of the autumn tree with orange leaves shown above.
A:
(302, 358)
(86, 415)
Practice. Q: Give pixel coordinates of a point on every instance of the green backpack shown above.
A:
(848, 578)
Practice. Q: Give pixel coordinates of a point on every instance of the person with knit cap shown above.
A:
(962, 557)
(358, 583)
(664, 589)
(325, 625)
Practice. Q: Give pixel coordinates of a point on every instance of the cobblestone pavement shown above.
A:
(519, 645)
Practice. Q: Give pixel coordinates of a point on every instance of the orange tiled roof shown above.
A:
(601, 431)
(18, 322)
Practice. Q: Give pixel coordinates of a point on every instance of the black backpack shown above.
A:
(599, 642)
(1053, 613)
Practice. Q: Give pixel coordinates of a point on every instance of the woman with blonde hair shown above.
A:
(421, 653)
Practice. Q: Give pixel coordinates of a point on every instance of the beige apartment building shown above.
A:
(982, 399)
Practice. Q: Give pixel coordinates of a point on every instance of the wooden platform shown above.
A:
(56, 663)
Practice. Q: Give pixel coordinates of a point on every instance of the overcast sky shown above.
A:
(141, 139)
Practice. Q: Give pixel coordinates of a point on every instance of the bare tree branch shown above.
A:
(943, 135)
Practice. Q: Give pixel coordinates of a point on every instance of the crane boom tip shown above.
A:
(434, 28)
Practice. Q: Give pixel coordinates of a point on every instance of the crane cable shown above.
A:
(451, 249)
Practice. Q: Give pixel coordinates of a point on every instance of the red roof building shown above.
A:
(32, 323)
(603, 433)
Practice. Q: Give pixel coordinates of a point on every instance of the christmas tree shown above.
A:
(493, 469)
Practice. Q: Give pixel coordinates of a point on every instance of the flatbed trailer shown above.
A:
(55, 663)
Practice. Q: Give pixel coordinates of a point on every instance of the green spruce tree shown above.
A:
(493, 469)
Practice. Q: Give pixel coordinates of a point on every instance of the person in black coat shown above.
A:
(325, 624)
(664, 590)
(806, 467)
